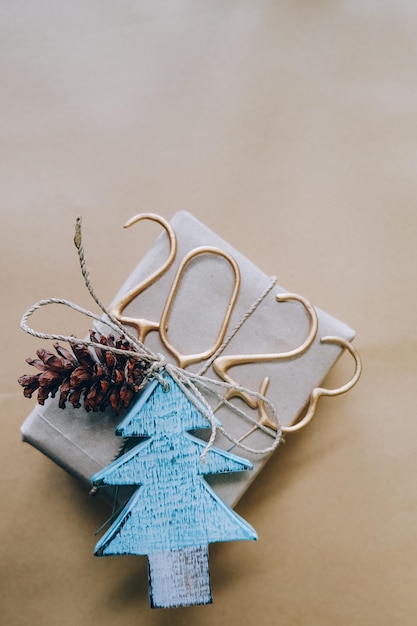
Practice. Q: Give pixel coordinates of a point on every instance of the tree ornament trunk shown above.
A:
(179, 578)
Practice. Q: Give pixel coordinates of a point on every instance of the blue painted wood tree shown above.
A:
(174, 514)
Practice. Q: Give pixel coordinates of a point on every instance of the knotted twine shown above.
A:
(193, 385)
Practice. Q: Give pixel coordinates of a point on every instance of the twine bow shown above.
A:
(193, 385)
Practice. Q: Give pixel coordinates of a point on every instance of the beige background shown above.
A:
(290, 128)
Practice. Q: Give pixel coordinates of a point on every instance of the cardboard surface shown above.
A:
(289, 129)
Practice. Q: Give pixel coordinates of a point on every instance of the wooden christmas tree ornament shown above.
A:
(174, 514)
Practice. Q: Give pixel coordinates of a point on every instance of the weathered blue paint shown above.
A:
(146, 417)
(174, 509)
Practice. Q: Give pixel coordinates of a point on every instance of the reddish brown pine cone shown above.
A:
(90, 377)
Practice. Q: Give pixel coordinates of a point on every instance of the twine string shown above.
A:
(78, 242)
(238, 326)
(193, 385)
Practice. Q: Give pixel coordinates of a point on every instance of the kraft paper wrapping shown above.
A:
(82, 443)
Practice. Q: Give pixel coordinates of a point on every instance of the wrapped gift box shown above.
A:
(83, 443)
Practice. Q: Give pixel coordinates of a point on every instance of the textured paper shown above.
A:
(83, 443)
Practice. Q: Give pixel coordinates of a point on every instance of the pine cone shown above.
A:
(97, 377)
